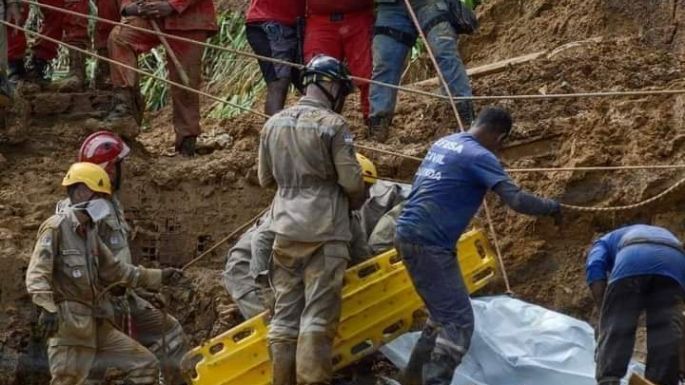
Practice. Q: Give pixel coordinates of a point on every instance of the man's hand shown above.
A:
(171, 276)
(133, 9)
(48, 324)
(156, 9)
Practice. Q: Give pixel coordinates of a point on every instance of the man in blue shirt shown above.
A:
(448, 190)
(630, 270)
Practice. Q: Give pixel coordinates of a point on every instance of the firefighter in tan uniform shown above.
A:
(307, 151)
(69, 270)
(135, 313)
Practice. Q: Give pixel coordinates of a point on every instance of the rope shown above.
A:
(139, 71)
(258, 113)
(543, 169)
(570, 207)
(361, 79)
(645, 202)
(226, 238)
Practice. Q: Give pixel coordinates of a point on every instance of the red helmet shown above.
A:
(103, 148)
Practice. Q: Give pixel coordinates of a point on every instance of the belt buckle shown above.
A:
(337, 16)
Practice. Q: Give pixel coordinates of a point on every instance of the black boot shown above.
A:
(6, 90)
(439, 370)
(38, 72)
(126, 103)
(420, 355)
(17, 71)
(466, 113)
(379, 127)
(186, 146)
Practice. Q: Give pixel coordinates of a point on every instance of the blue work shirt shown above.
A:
(447, 191)
(636, 250)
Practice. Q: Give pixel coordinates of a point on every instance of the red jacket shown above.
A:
(190, 15)
(282, 11)
(326, 7)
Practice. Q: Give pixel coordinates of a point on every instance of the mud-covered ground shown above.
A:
(179, 207)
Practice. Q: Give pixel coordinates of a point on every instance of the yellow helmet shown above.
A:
(368, 169)
(90, 174)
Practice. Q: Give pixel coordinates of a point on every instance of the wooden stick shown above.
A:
(179, 68)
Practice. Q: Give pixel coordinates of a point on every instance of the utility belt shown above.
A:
(456, 13)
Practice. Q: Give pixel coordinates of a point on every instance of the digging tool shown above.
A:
(179, 68)
(226, 239)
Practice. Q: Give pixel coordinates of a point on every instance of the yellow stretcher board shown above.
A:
(379, 305)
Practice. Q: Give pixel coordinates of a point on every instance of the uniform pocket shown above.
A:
(73, 264)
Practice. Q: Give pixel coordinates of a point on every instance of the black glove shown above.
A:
(171, 276)
(48, 324)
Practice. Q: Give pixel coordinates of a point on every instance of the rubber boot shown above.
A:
(5, 90)
(102, 79)
(126, 103)
(38, 72)
(314, 359)
(283, 362)
(420, 355)
(440, 369)
(76, 78)
(379, 127)
(17, 71)
(466, 113)
(186, 146)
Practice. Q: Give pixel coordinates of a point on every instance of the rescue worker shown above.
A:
(394, 38)
(158, 331)
(631, 270)
(272, 31)
(307, 151)
(69, 270)
(11, 12)
(247, 264)
(448, 190)
(247, 267)
(70, 29)
(191, 19)
(343, 30)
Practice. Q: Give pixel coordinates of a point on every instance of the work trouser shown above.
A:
(160, 333)
(394, 37)
(345, 37)
(126, 44)
(241, 285)
(70, 365)
(57, 25)
(110, 10)
(308, 294)
(661, 298)
(438, 281)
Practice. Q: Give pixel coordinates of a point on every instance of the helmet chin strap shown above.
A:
(333, 100)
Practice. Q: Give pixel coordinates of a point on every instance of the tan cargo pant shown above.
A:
(70, 365)
(307, 311)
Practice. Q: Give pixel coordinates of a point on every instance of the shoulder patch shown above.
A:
(349, 138)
